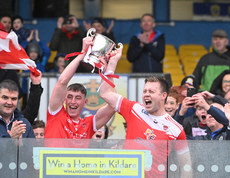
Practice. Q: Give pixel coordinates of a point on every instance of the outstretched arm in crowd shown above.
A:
(216, 113)
(60, 89)
(31, 110)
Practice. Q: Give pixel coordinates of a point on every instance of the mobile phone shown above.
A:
(191, 92)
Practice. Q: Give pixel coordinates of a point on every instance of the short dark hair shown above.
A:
(77, 87)
(10, 85)
(163, 83)
(5, 16)
(147, 14)
(17, 17)
(38, 124)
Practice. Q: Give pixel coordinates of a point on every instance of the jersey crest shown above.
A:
(149, 134)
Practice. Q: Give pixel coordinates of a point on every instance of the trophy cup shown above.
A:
(102, 46)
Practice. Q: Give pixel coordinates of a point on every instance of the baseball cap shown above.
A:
(190, 80)
(220, 33)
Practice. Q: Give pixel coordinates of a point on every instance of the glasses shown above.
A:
(226, 81)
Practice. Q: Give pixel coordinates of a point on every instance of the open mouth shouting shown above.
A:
(98, 136)
(203, 117)
(148, 102)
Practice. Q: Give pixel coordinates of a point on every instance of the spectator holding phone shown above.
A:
(186, 90)
(196, 126)
(67, 36)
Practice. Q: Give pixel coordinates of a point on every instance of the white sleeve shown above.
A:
(118, 104)
(54, 112)
(94, 124)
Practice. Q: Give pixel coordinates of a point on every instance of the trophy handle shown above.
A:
(91, 32)
(117, 46)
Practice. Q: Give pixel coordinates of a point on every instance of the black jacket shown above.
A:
(222, 134)
(193, 129)
(31, 110)
(61, 43)
(149, 58)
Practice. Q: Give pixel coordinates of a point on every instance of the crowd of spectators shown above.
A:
(200, 104)
(210, 79)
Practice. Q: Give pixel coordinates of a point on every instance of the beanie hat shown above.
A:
(33, 47)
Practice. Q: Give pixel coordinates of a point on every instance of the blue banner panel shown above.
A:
(211, 9)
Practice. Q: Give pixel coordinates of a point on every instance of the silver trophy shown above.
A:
(102, 46)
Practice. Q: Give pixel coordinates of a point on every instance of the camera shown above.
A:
(67, 21)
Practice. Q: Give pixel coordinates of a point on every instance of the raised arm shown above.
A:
(31, 110)
(107, 93)
(60, 89)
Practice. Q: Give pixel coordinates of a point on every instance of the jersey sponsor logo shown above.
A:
(145, 112)
(149, 134)
(165, 128)
(94, 101)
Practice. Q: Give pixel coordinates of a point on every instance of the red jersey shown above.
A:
(143, 126)
(60, 125)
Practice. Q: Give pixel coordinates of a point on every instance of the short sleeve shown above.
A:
(51, 115)
(124, 107)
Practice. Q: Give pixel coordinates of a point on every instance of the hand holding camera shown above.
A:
(60, 22)
(188, 102)
(71, 21)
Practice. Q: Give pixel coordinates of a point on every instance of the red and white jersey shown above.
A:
(142, 125)
(60, 125)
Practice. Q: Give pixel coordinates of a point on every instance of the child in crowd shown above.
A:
(39, 128)
(59, 63)
(172, 104)
(37, 50)
(19, 29)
